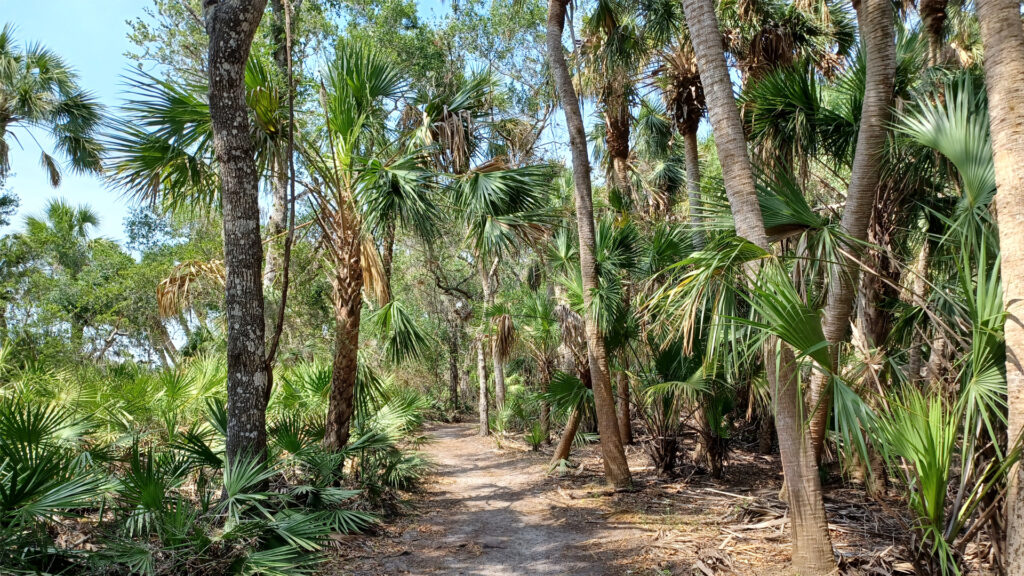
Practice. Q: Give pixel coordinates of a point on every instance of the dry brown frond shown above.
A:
(174, 291)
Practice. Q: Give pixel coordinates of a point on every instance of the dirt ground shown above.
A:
(492, 509)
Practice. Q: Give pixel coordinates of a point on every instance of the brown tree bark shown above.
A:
(231, 25)
(564, 447)
(1003, 40)
(878, 34)
(616, 468)
(812, 549)
(348, 304)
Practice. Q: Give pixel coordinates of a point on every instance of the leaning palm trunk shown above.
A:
(568, 435)
(348, 302)
(1003, 40)
(231, 25)
(812, 550)
(877, 33)
(616, 468)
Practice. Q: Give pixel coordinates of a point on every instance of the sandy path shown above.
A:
(495, 513)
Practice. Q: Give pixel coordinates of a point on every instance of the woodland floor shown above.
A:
(490, 508)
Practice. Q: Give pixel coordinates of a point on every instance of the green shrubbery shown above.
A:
(120, 470)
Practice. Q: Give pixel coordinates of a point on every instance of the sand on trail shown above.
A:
(488, 512)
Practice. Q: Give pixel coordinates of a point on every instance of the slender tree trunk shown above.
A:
(348, 303)
(564, 447)
(231, 25)
(487, 282)
(877, 32)
(622, 393)
(693, 185)
(77, 336)
(387, 255)
(812, 549)
(1003, 39)
(278, 219)
(277, 222)
(481, 374)
(453, 366)
(616, 468)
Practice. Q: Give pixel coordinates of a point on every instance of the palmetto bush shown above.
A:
(138, 457)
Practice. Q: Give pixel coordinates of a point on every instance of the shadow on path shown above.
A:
(493, 513)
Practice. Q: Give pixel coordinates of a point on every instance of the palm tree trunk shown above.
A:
(877, 32)
(564, 447)
(453, 365)
(348, 303)
(622, 393)
(1003, 40)
(487, 282)
(231, 25)
(616, 468)
(812, 549)
(693, 185)
(481, 374)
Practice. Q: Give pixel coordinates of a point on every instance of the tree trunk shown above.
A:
(387, 255)
(616, 122)
(877, 32)
(231, 25)
(616, 468)
(622, 393)
(277, 221)
(1003, 41)
(481, 374)
(348, 304)
(564, 447)
(693, 185)
(812, 550)
(487, 282)
(453, 366)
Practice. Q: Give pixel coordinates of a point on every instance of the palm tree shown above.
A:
(611, 54)
(38, 90)
(880, 61)
(364, 181)
(1003, 39)
(615, 466)
(231, 25)
(62, 236)
(812, 550)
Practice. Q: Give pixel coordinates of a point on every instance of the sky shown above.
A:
(92, 36)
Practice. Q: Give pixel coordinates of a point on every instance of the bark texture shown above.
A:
(1003, 40)
(616, 468)
(348, 304)
(812, 549)
(878, 34)
(231, 25)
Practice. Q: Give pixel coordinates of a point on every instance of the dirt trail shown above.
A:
(495, 513)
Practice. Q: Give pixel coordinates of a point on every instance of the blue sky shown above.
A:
(92, 36)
